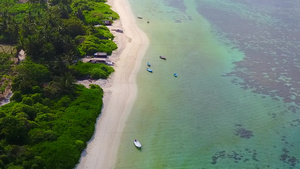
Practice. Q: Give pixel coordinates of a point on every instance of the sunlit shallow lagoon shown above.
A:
(235, 102)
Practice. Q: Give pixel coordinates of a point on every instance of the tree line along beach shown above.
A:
(50, 119)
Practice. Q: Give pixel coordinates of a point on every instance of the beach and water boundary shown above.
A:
(202, 119)
(119, 91)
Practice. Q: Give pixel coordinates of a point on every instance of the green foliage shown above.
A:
(61, 8)
(98, 73)
(28, 109)
(37, 163)
(15, 156)
(29, 75)
(91, 44)
(28, 70)
(93, 12)
(45, 117)
(39, 135)
(41, 109)
(63, 102)
(2, 114)
(60, 86)
(36, 135)
(14, 130)
(49, 134)
(50, 119)
(27, 101)
(5, 63)
(102, 32)
(80, 144)
(22, 115)
(17, 96)
(36, 89)
(58, 154)
(95, 71)
(36, 98)
(74, 27)
(73, 125)
(15, 167)
(7, 107)
(47, 102)
(93, 86)
(12, 14)
(44, 37)
(51, 90)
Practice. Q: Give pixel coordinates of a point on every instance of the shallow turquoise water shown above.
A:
(234, 103)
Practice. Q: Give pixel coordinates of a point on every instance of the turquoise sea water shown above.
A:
(236, 100)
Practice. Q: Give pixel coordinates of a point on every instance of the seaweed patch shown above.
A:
(295, 123)
(286, 158)
(236, 157)
(243, 133)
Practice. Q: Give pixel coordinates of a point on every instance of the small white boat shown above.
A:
(137, 143)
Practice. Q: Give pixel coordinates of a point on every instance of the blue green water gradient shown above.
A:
(235, 102)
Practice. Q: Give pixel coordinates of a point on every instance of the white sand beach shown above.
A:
(120, 91)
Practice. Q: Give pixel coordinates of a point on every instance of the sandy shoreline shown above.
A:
(120, 91)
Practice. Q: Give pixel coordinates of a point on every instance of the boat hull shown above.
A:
(137, 144)
(162, 57)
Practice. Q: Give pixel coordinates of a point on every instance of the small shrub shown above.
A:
(36, 89)
(80, 144)
(27, 100)
(36, 98)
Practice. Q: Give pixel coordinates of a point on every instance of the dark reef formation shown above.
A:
(236, 157)
(286, 158)
(242, 132)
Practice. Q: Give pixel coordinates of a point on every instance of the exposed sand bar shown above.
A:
(120, 92)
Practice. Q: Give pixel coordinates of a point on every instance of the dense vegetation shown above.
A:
(38, 132)
(50, 118)
(92, 44)
(6, 60)
(90, 70)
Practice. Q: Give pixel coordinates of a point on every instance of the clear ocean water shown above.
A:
(235, 103)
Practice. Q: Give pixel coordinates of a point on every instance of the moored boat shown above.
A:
(175, 74)
(148, 64)
(162, 57)
(137, 144)
(149, 70)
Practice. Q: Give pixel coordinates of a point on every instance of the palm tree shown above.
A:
(66, 83)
